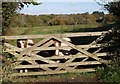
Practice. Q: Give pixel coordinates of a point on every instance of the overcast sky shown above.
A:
(63, 7)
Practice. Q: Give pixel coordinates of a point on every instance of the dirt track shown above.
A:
(62, 78)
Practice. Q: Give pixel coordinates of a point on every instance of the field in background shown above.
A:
(56, 29)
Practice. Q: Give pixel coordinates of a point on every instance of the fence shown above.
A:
(85, 57)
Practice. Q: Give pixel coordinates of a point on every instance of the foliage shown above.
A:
(113, 7)
(98, 13)
(7, 14)
(7, 66)
(22, 20)
(111, 73)
(9, 9)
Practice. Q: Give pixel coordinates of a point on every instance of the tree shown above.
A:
(98, 13)
(8, 11)
(114, 8)
(99, 16)
(112, 71)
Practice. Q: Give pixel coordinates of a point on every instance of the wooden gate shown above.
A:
(82, 61)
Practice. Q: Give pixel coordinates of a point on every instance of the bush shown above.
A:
(109, 74)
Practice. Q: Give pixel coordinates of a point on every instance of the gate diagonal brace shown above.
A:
(40, 43)
(95, 42)
(80, 49)
(99, 39)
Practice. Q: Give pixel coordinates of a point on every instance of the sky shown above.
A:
(63, 7)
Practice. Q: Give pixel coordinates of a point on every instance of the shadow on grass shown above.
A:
(101, 28)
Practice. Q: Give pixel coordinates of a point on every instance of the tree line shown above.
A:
(22, 20)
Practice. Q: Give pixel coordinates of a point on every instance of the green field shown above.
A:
(54, 29)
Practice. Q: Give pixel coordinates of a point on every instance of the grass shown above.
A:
(49, 29)
(57, 29)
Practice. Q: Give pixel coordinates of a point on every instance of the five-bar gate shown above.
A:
(82, 61)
